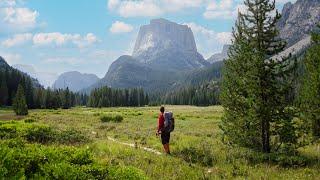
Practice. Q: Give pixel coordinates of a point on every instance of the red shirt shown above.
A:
(160, 122)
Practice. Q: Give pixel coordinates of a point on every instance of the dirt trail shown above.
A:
(135, 146)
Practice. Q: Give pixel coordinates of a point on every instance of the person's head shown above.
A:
(162, 109)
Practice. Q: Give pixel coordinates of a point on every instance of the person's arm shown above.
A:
(160, 123)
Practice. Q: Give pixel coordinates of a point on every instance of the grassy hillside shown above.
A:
(76, 143)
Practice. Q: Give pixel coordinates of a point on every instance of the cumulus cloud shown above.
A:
(17, 39)
(120, 27)
(14, 18)
(209, 41)
(221, 37)
(58, 39)
(151, 8)
(54, 38)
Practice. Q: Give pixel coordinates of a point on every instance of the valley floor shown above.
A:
(196, 143)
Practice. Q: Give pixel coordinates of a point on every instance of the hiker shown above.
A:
(165, 127)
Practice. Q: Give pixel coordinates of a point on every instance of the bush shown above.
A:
(40, 134)
(8, 131)
(46, 162)
(70, 136)
(199, 155)
(116, 118)
(29, 120)
(132, 173)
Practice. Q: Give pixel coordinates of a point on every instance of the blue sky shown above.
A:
(55, 36)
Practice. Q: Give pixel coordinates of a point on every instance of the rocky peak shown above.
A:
(298, 20)
(219, 56)
(161, 35)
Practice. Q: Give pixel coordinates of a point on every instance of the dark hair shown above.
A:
(162, 109)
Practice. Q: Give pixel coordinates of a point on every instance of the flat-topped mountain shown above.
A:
(163, 49)
(75, 81)
(165, 44)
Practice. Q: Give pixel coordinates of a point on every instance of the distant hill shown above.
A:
(75, 81)
(219, 56)
(46, 79)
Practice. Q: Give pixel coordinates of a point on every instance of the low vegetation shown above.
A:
(74, 143)
(108, 118)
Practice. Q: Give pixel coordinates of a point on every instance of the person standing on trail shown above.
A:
(165, 127)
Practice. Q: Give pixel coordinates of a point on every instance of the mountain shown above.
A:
(75, 81)
(18, 74)
(219, 56)
(165, 44)
(298, 20)
(163, 52)
(3, 63)
(45, 78)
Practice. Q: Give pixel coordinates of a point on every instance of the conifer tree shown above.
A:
(19, 104)
(4, 95)
(310, 91)
(255, 85)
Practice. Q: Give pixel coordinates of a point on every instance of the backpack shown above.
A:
(168, 122)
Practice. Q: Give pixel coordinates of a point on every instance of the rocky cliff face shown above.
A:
(75, 81)
(298, 20)
(165, 44)
(219, 56)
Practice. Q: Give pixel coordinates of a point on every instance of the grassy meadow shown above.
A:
(76, 144)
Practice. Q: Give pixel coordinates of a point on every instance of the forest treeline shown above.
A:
(36, 97)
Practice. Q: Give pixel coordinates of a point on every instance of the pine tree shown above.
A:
(66, 99)
(19, 105)
(255, 85)
(310, 91)
(4, 95)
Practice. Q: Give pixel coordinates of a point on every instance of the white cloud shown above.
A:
(151, 8)
(112, 4)
(7, 3)
(17, 19)
(223, 9)
(11, 58)
(221, 37)
(59, 39)
(17, 39)
(54, 38)
(120, 27)
(139, 9)
(209, 41)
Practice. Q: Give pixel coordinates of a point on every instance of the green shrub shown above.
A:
(36, 161)
(109, 118)
(70, 136)
(8, 131)
(132, 173)
(40, 134)
(201, 155)
(29, 120)
(82, 157)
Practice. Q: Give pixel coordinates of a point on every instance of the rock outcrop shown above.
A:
(298, 20)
